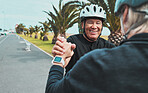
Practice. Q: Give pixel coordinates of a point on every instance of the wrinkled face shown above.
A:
(92, 28)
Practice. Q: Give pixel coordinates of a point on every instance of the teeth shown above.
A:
(92, 31)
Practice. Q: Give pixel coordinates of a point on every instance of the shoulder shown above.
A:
(106, 43)
(103, 40)
(75, 37)
(100, 57)
(96, 60)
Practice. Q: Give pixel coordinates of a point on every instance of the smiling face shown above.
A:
(93, 28)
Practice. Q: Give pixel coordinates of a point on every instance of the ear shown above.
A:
(82, 24)
(125, 13)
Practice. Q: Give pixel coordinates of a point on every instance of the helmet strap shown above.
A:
(84, 34)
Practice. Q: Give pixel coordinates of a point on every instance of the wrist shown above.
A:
(59, 64)
(58, 60)
(62, 56)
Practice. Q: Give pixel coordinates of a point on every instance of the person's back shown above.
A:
(119, 70)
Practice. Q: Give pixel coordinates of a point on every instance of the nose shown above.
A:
(94, 25)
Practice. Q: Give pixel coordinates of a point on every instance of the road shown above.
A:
(22, 71)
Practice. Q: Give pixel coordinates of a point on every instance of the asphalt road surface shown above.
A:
(22, 71)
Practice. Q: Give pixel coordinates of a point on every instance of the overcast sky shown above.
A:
(28, 12)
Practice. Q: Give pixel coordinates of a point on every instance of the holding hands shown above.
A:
(63, 49)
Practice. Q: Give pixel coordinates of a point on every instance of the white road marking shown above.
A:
(3, 40)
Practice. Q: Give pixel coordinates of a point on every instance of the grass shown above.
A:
(44, 45)
(105, 37)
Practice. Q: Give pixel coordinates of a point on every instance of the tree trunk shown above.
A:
(36, 36)
(115, 38)
(63, 35)
(25, 34)
(45, 38)
(54, 39)
(41, 37)
(30, 35)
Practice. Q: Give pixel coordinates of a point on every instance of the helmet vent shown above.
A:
(92, 11)
(94, 8)
(83, 12)
(87, 9)
(100, 9)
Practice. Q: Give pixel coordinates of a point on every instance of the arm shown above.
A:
(55, 83)
(54, 77)
(85, 77)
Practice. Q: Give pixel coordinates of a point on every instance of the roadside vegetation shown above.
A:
(64, 17)
(44, 45)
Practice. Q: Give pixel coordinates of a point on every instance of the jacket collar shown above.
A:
(138, 38)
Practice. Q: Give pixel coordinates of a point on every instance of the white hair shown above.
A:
(135, 18)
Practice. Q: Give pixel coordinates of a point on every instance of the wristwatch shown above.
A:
(58, 60)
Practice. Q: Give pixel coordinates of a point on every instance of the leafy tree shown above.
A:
(45, 29)
(26, 31)
(41, 33)
(20, 28)
(31, 30)
(53, 28)
(36, 30)
(65, 17)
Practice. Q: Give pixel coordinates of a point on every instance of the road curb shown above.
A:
(38, 47)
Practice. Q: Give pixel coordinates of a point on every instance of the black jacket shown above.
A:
(123, 69)
(83, 46)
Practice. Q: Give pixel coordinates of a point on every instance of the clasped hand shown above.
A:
(63, 49)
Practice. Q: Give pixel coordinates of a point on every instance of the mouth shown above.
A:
(93, 31)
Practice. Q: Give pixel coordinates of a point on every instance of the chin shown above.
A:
(93, 38)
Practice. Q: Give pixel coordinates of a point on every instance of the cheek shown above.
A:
(87, 28)
(100, 28)
(87, 31)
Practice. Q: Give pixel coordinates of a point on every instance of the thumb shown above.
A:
(61, 39)
(73, 46)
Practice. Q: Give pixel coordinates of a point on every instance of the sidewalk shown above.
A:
(22, 71)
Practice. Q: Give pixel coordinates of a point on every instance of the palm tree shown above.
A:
(41, 33)
(45, 29)
(53, 28)
(20, 28)
(65, 18)
(31, 30)
(112, 22)
(36, 30)
(26, 30)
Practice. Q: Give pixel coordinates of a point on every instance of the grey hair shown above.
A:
(135, 17)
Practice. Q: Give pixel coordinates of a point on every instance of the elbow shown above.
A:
(49, 89)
